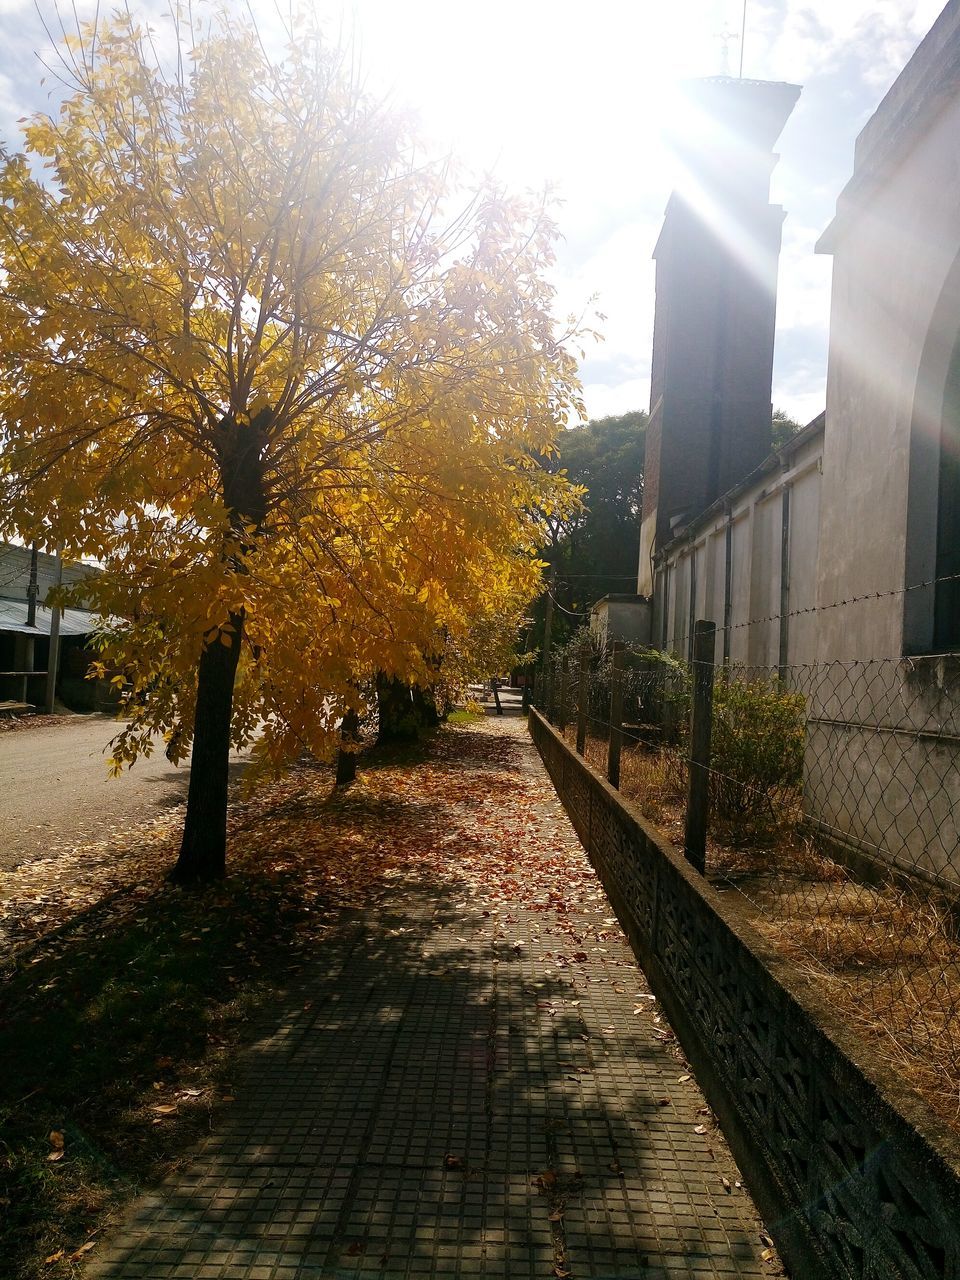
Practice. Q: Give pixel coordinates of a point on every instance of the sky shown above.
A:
(577, 96)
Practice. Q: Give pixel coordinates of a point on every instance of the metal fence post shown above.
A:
(701, 717)
(564, 693)
(583, 694)
(616, 714)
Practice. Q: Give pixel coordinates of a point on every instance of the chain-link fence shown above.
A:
(831, 814)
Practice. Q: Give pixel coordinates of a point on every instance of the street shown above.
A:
(55, 791)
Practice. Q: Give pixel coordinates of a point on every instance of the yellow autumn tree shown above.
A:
(251, 364)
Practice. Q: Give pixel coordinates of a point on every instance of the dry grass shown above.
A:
(891, 965)
(654, 780)
(886, 958)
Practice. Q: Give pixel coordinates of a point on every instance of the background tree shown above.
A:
(784, 427)
(594, 547)
(251, 366)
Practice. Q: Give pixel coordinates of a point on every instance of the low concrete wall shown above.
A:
(855, 1177)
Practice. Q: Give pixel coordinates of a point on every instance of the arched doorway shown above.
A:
(931, 615)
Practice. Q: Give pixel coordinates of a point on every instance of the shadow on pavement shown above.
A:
(407, 1112)
(429, 1095)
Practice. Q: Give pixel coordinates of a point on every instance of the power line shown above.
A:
(572, 613)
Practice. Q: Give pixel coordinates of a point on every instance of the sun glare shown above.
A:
(538, 92)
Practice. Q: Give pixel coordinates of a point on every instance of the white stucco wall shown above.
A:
(892, 257)
(755, 518)
(627, 620)
(881, 759)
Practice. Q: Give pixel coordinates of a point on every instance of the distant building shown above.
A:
(620, 617)
(25, 628)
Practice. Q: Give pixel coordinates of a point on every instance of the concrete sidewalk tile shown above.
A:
(479, 1089)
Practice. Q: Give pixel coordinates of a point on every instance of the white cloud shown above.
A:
(801, 41)
(603, 399)
(803, 404)
(619, 273)
(803, 300)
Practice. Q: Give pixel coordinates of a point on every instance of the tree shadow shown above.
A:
(407, 1110)
(417, 1096)
(172, 785)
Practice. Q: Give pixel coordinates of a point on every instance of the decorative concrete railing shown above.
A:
(855, 1177)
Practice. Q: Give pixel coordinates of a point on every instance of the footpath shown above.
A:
(472, 1079)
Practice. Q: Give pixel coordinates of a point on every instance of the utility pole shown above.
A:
(548, 620)
(53, 656)
(743, 33)
(33, 588)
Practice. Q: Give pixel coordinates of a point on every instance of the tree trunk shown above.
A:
(347, 760)
(397, 715)
(425, 707)
(203, 850)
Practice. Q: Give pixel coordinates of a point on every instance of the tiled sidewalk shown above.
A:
(446, 1095)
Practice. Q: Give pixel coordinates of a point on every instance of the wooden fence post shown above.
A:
(701, 718)
(615, 744)
(583, 697)
(564, 693)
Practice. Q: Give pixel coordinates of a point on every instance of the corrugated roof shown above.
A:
(75, 622)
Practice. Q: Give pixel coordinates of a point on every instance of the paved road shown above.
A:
(55, 792)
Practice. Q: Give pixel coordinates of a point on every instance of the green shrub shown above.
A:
(756, 748)
(757, 734)
(757, 738)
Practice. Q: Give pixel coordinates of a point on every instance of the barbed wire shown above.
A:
(808, 610)
(606, 577)
(766, 619)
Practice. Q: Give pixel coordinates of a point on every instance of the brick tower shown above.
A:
(717, 255)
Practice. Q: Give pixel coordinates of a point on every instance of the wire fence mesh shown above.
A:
(833, 813)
